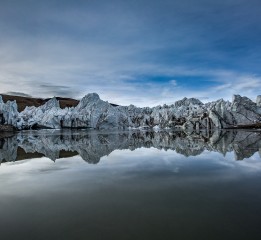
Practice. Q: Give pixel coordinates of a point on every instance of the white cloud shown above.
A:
(173, 82)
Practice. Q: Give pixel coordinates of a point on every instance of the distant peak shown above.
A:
(187, 101)
(53, 102)
(89, 98)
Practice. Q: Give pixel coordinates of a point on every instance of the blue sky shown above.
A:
(140, 52)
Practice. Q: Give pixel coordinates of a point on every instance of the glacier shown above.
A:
(94, 113)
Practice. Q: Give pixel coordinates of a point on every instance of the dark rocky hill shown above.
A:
(22, 102)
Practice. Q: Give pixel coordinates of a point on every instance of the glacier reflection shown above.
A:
(92, 145)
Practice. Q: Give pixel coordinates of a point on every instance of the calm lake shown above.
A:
(130, 185)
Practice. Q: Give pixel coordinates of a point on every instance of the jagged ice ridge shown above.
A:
(92, 112)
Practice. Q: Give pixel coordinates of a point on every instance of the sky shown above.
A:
(142, 52)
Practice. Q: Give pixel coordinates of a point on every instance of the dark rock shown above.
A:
(7, 128)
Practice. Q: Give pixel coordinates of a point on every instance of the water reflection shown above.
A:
(143, 194)
(91, 146)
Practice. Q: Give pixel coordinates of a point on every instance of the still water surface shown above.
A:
(130, 185)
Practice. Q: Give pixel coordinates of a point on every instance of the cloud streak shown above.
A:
(129, 52)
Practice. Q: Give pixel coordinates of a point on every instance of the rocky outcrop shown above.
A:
(92, 112)
(91, 146)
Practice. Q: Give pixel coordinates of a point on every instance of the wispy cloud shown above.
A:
(207, 51)
(19, 94)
